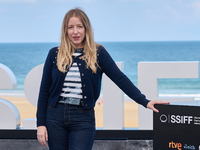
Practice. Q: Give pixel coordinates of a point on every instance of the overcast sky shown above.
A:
(112, 20)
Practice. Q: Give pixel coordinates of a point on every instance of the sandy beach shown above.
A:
(27, 110)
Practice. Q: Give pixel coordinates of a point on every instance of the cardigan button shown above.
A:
(82, 74)
(85, 97)
(79, 64)
(84, 85)
(86, 105)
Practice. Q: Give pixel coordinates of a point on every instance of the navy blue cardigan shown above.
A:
(52, 82)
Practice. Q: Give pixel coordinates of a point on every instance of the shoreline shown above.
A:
(126, 98)
(27, 110)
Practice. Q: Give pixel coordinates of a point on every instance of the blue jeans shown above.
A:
(70, 127)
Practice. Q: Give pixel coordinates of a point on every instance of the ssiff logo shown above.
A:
(176, 119)
(175, 145)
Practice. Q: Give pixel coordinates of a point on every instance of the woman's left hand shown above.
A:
(151, 104)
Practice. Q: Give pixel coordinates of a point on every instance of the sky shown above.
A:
(112, 20)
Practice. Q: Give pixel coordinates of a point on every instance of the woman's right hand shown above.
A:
(42, 135)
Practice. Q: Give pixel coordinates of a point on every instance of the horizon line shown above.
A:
(107, 41)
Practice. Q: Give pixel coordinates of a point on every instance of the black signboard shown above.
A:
(176, 128)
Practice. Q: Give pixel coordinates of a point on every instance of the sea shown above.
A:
(21, 58)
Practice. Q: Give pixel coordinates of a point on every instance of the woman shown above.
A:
(71, 84)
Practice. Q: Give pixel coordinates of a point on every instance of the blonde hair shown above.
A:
(67, 48)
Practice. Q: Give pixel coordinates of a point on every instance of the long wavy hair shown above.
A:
(67, 48)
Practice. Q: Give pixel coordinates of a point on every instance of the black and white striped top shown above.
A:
(72, 87)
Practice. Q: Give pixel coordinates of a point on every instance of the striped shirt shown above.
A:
(72, 87)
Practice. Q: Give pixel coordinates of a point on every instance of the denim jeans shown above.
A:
(70, 127)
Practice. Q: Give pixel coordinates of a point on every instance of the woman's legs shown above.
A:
(70, 127)
(81, 129)
(57, 133)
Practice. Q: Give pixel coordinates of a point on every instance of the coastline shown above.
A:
(27, 110)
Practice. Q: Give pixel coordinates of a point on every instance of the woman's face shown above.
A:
(76, 32)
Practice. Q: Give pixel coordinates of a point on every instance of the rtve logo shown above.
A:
(176, 119)
(175, 145)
